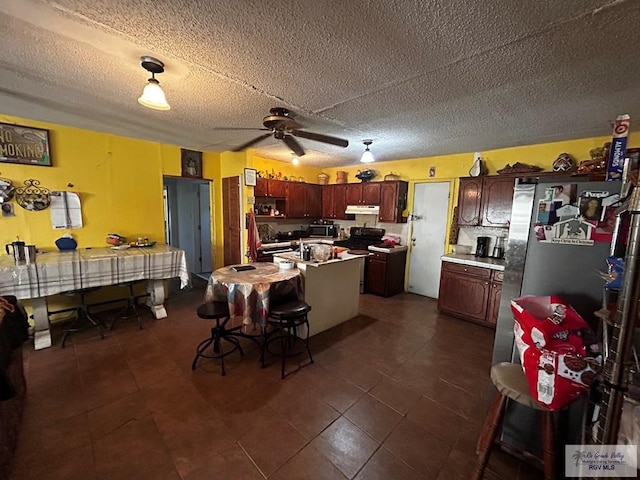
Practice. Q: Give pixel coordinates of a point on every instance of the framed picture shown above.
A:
(250, 177)
(191, 161)
(24, 145)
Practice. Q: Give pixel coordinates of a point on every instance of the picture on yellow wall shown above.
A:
(26, 145)
(191, 161)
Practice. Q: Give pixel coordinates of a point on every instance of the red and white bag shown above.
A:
(549, 337)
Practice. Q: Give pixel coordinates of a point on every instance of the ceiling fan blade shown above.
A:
(251, 142)
(293, 145)
(238, 128)
(318, 137)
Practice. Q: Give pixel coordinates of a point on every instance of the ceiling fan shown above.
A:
(283, 127)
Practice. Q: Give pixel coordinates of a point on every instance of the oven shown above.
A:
(323, 231)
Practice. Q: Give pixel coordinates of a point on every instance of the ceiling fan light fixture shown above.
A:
(294, 159)
(153, 96)
(367, 156)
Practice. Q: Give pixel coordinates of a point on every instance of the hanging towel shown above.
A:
(253, 237)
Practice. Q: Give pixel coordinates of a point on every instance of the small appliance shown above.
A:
(498, 250)
(323, 230)
(482, 246)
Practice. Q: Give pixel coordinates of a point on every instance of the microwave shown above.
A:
(323, 230)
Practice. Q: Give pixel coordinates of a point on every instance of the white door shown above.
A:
(429, 230)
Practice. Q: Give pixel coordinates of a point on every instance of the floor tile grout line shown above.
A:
(253, 462)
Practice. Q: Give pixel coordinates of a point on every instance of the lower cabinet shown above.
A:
(384, 273)
(469, 292)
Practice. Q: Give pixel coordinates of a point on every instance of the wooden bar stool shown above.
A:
(286, 319)
(218, 311)
(511, 383)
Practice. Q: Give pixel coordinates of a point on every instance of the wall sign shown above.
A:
(250, 177)
(25, 145)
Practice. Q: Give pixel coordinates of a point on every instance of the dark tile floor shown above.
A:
(399, 392)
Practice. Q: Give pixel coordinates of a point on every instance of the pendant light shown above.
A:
(367, 156)
(153, 95)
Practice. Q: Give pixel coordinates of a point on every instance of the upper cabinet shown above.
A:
(270, 188)
(334, 201)
(304, 200)
(485, 201)
(393, 201)
(367, 193)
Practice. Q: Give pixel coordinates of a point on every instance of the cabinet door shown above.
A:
(463, 296)
(354, 193)
(313, 200)
(328, 201)
(388, 201)
(497, 197)
(371, 193)
(262, 187)
(277, 188)
(469, 201)
(340, 201)
(494, 303)
(375, 277)
(296, 200)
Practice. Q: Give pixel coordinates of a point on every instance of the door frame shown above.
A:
(453, 197)
(170, 203)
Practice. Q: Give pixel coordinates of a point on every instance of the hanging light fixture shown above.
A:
(153, 95)
(367, 156)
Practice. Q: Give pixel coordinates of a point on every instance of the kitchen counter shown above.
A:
(492, 263)
(396, 249)
(332, 288)
(295, 257)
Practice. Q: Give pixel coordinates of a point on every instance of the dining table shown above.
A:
(249, 292)
(56, 272)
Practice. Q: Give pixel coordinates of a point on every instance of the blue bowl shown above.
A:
(65, 243)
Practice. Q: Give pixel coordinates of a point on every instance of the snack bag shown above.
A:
(549, 337)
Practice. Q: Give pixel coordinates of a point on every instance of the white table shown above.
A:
(57, 272)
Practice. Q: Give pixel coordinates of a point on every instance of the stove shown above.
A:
(360, 238)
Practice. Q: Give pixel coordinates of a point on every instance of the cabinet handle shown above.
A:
(486, 283)
(466, 270)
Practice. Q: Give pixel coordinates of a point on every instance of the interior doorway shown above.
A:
(188, 221)
(428, 236)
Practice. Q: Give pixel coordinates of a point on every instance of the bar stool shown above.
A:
(285, 320)
(82, 312)
(130, 309)
(217, 311)
(511, 383)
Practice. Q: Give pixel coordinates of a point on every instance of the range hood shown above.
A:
(362, 209)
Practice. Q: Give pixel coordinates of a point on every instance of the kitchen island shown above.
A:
(332, 288)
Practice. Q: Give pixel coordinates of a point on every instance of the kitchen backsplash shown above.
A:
(468, 236)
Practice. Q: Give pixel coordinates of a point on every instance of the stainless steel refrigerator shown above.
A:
(537, 268)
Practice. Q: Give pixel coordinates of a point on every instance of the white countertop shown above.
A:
(295, 257)
(396, 249)
(492, 263)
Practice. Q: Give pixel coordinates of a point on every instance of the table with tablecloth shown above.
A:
(249, 292)
(65, 271)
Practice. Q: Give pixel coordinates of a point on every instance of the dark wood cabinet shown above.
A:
(485, 201)
(270, 188)
(367, 193)
(494, 303)
(328, 195)
(393, 201)
(340, 201)
(469, 201)
(469, 292)
(384, 273)
(497, 197)
(304, 200)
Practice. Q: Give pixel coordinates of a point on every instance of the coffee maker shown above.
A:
(482, 246)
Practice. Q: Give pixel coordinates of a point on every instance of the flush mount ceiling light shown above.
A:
(294, 159)
(153, 95)
(367, 156)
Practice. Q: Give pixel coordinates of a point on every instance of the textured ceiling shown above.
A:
(419, 78)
